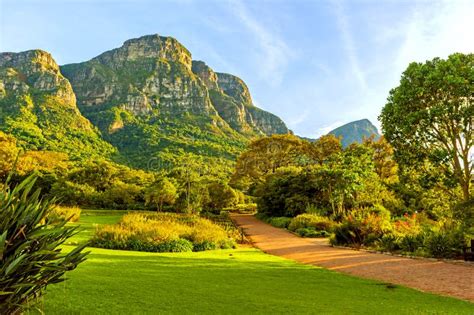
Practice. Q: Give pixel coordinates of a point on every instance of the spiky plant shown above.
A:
(30, 253)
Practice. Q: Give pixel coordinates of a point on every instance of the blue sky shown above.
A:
(316, 64)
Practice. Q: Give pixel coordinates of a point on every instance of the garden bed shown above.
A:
(163, 232)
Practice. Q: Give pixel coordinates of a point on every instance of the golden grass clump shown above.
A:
(162, 232)
(71, 214)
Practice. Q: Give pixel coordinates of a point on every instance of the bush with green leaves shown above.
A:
(30, 257)
(313, 221)
(280, 222)
(446, 241)
(311, 232)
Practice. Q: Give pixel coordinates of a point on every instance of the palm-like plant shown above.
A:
(30, 253)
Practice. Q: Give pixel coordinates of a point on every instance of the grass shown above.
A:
(89, 221)
(226, 282)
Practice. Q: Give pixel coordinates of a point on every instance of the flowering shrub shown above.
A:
(362, 227)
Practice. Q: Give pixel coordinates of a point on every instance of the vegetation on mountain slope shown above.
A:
(355, 132)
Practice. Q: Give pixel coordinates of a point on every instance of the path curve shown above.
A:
(439, 277)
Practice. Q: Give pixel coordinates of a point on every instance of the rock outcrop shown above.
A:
(38, 105)
(147, 98)
(156, 75)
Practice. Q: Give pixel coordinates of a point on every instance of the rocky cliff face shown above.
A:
(154, 75)
(231, 98)
(145, 74)
(147, 98)
(32, 70)
(38, 105)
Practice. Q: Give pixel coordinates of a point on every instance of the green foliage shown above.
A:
(279, 222)
(8, 153)
(316, 222)
(311, 232)
(446, 241)
(248, 208)
(265, 156)
(158, 232)
(30, 254)
(429, 116)
(70, 214)
(355, 132)
(224, 220)
(221, 196)
(160, 193)
(361, 227)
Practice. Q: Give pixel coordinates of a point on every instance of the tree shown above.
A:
(221, 196)
(30, 253)
(323, 148)
(265, 155)
(385, 165)
(430, 116)
(98, 174)
(160, 193)
(8, 153)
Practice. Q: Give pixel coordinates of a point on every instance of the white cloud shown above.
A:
(348, 43)
(437, 30)
(297, 119)
(326, 129)
(274, 52)
(421, 31)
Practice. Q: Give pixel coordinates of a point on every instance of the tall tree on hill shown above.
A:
(430, 116)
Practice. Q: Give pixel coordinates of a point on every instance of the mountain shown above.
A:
(144, 101)
(355, 131)
(38, 107)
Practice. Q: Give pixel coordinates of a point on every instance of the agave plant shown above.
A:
(30, 253)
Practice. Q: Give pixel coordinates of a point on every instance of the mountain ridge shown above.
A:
(355, 132)
(145, 99)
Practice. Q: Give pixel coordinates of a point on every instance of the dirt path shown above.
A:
(434, 276)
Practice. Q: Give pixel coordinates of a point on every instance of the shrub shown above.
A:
(362, 227)
(311, 232)
(408, 224)
(162, 232)
(223, 220)
(445, 243)
(280, 222)
(411, 242)
(70, 214)
(248, 208)
(29, 247)
(313, 209)
(388, 242)
(316, 222)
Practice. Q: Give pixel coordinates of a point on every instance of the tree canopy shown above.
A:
(430, 116)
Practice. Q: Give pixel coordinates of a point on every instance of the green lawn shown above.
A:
(90, 219)
(238, 281)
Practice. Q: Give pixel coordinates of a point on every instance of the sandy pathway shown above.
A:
(434, 276)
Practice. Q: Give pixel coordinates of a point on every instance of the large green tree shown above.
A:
(160, 193)
(265, 155)
(430, 116)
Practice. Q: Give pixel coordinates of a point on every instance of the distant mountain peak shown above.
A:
(355, 132)
(148, 46)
